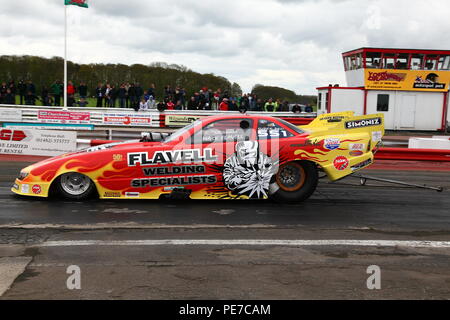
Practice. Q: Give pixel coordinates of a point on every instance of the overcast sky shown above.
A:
(296, 44)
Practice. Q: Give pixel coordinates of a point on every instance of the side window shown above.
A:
(270, 130)
(228, 130)
(383, 102)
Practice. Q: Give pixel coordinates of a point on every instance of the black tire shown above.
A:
(86, 187)
(294, 182)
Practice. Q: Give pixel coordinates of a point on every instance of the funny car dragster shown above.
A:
(218, 157)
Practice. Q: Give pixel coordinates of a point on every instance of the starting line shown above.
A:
(285, 243)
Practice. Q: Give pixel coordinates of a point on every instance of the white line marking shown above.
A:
(289, 243)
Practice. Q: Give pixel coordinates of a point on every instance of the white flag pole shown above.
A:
(65, 56)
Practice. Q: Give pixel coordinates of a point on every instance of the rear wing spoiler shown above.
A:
(348, 123)
(330, 119)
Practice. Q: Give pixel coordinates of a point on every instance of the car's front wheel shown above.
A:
(294, 182)
(75, 186)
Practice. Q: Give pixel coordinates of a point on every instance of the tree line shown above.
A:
(45, 71)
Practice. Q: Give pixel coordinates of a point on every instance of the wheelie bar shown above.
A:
(363, 180)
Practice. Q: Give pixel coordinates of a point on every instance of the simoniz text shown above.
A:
(177, 156)
(363, 123)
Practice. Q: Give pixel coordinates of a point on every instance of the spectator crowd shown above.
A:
(135, 96)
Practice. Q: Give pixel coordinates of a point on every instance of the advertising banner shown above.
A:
(407, 80)
(48, 126)
(180, 120)
(10, 115)
(115, 119)
(37, 142)
(70, 117)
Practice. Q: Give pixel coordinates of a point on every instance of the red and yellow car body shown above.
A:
(218, 157)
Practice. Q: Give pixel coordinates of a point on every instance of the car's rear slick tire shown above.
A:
(295, 182)
(74, 186)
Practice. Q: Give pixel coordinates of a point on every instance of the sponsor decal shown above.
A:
(117, 157)
(173, 181)
(272, 133)
(63, 117)
(409, 80)
(37, 142)
(386, 76)
(357, 149)
(180, 121)
(16, 186)
(249, 171)
(357, 146)
(177, 156)
(307, 143)
(132, 194)
(109, 194)
(332, 143)
(36, 189)
(25, 188)
(173, 188)
(168, 171)
(376, 136)
(341, 163)
(361, 165)
(10, 115)
(333, 118)
(128, 119)
(430, 82)
(363, 123)
(12, 135)
(356, 153)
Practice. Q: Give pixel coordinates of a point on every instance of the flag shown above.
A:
(80, 3)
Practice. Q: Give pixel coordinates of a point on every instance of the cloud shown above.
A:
(296, 44)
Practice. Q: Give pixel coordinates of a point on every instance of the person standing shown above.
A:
(224, 106)
(152, 91)
(297, 109)
(70, 94)
(99, 92)
(45, 96)
(132, 97)
(127, 101)
(9, 98)
(270, 106)
(22, 91)
(113, 94)
(244, 103)
(107, 95)
(12, 87)
(31, 87)
(216, 98)
(232, 104)
(30, 99)
(192, 104)
(56, 91)
(139, 92)
(83, 90)
(122, 94)
(3, 89)
(259, 105)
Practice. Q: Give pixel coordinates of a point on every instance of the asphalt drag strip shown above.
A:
(324, 248)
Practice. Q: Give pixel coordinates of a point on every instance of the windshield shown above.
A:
(181, 131)
(291, 126)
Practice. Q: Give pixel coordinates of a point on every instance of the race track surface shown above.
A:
(122, 251)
